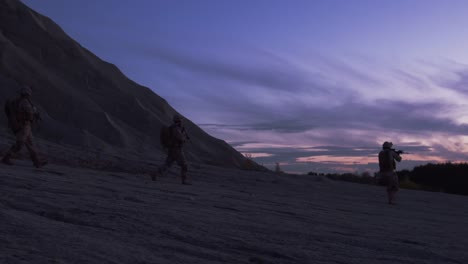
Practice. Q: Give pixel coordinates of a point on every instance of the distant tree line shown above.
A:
(443, 177)
(364, 177)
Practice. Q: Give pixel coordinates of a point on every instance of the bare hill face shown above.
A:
(84, 101)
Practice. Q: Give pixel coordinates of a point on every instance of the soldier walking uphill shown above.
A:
(173, 139)
(21, 114)
(387, 164)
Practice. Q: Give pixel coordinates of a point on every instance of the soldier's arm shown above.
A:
(186, 136)
(36, 114)
(396, 156)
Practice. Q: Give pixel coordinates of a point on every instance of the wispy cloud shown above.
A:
(274, 100)
(270, 72)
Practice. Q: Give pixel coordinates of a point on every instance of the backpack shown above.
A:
(11, 111)
(165, 136)
(386, 161)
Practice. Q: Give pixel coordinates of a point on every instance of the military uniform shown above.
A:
(387, 166)
(175, 151)
(25, 117)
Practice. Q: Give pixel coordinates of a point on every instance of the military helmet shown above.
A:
(387, 145)
(26, 90)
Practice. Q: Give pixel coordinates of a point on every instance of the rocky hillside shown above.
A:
(88, 103)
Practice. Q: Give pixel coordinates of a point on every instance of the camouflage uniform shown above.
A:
(387, 174)
(25, 116)
(175, 150)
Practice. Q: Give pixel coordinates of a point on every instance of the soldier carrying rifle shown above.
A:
(21, 115)
(387, 165)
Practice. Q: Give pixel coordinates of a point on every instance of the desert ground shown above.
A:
(61, 214)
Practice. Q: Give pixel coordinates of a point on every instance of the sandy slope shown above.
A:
(65, 215)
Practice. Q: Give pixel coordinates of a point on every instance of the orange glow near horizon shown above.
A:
(257, 154)
(345, 160)
(356, 160)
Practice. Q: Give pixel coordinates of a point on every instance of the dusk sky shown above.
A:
(314, 85)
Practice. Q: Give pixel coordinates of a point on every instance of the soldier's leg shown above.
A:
(182, 162)
(396, 187)
(16, 147)
(392, 187)
(166, 165)
(29, 143)
(183, 175)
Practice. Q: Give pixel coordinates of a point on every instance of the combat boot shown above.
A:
(185, 181)
(38, 163)
(6, 159)
(156, 174)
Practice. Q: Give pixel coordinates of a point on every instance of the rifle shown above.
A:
(185, 133)
(399, 152)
